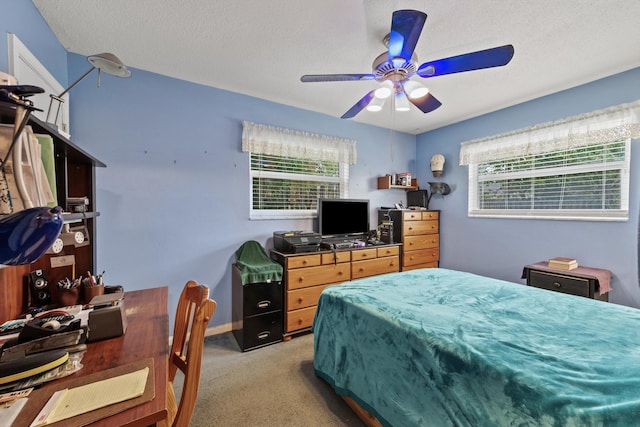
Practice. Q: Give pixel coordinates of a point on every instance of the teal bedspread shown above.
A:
(437, 347)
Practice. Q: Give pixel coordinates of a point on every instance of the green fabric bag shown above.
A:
(255, 265)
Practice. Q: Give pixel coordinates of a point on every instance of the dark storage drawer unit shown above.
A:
(568, 282)
(256, 312)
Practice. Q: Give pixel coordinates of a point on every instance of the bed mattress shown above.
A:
(437, 347)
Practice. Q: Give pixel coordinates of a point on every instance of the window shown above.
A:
(290, 170)
(574, 169)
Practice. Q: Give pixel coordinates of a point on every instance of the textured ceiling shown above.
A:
(262, 47)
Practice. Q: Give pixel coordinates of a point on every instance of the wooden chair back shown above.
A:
(192, 317)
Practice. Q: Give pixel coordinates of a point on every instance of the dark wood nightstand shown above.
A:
(582, 281)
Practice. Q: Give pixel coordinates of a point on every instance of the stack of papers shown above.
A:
(69, 403)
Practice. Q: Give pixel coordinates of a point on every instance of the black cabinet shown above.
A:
(256, 312)
(584, 281)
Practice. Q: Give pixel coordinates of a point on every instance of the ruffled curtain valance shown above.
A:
(607, 125)
(265, 139)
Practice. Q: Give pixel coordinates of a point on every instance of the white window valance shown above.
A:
(265, 139)
(607, 125)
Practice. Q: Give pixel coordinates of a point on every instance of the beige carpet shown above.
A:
(269, 386)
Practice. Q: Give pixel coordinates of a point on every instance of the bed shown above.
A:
(437, 347)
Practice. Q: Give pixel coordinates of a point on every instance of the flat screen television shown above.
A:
(343, 217)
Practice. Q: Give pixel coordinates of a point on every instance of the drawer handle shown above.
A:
(263, 335)
(300, 300)
(264, 304)
(557, 284)
(300, 321)
(361, 270)
(300, 279)
(339, 273)
(304, 261)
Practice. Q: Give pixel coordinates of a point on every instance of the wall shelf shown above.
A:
(384, 183)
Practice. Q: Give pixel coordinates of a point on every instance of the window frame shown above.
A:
(621, 214)
(266, 214)
(271, 140)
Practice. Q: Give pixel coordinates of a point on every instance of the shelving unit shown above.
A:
(384, 183)
(75, 177)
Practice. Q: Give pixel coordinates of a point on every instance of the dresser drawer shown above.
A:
(433, 264)
(420, 257)
(312, 276)
(425, 241)
(559, 283)
(303, 261)
(388, 251)
(262, 297)
(415, 228)
(300, 319)
(361, 254)
(412, 216)
(329, 258)
(374, 267)
(305, 297)
(430, 215)
(261, 330)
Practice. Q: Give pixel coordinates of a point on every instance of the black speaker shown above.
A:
(39, 287)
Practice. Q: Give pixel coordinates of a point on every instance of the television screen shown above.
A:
(341, 217)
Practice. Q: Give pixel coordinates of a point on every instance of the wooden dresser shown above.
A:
(307, 274)
(419, 233)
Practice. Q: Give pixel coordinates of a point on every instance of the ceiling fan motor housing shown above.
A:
(395, 70)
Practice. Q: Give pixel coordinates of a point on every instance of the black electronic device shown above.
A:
(296, 241)
(39, 288)
(343, 217)
(418, 198)
(386, 231)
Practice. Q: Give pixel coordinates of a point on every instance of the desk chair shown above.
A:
(192, 316)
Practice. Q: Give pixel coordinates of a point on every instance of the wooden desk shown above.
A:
(147, 336)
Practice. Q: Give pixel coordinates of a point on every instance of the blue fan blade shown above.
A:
(427, 103)
(310, 78)
(26, 235)
(406, 26)
(495, 57)
(359, 106)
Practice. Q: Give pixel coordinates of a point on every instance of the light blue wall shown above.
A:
(501, 247)
(174, 198)
(21, 18)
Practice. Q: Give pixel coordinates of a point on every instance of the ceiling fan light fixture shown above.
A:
(402, 103)
(415, 90)
(375, 104)
(385, 90)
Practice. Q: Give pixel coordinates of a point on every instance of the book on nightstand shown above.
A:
(563, 263)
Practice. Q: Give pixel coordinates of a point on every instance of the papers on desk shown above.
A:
(68, 403)
(10, 413)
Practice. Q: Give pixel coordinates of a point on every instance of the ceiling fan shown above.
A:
(394, 68)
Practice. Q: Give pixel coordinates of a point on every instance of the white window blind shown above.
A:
(576, 168)
(291, 169)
